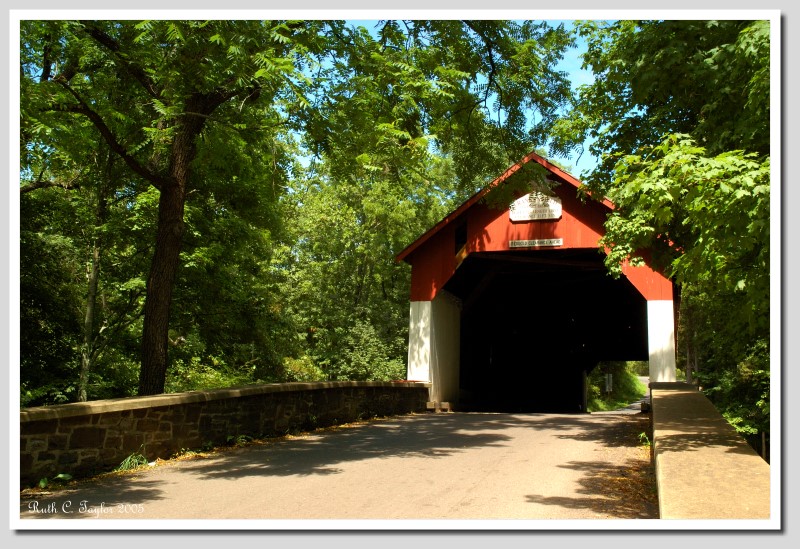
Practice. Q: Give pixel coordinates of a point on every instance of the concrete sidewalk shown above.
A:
(706, 470)
(419, 467)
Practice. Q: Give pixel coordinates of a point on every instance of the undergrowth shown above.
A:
(625, 387)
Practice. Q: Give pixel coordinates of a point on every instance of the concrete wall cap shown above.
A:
(672, 385)
(57, 411)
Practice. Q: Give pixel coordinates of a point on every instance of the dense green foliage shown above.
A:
(208, 203)
(345, 294)
(625, 386)
(679, 115)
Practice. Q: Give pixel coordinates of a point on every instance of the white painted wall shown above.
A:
(661, 340)
(446, 348)
(419, 342)
(434, 341)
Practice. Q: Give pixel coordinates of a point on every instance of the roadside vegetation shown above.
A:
(626, 388)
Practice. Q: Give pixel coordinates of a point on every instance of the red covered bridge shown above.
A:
(511, 308)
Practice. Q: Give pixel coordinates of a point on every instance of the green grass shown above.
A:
(626, 387)
(132, 462)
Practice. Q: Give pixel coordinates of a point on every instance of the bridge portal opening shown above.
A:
(534, 324)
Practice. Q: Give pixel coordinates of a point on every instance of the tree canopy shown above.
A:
(679, 117)
(679, 113)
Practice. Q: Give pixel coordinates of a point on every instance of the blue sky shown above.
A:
(571, 64)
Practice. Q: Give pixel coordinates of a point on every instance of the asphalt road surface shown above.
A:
(472, 466)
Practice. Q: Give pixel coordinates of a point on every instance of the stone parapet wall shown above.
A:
(87, 438)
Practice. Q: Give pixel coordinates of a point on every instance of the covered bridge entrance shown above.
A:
(511, 308)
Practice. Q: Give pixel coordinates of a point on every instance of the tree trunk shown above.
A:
(689, 377)
(87, 349)
(164, 267)
(166, 258)
(160, 282)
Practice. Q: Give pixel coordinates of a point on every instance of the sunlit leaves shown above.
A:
(347, 296)
(462, 88)
(658, 77)
(707, 217)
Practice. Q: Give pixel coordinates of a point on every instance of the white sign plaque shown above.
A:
(535, 243)
(534, 206)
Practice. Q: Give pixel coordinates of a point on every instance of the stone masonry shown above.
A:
(88, 438)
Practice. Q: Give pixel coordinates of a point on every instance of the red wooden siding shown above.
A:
(434, 259)
(433, 264)
(652, 285)
(580, 225)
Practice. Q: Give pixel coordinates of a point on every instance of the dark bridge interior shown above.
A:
(533, 322)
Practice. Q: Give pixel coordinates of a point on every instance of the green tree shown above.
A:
(227, 308)
(69, 238)
(706, 79)
(48, 301)
(405, 120)
(481, 93)
(347, 296)
(73, 227)
(179, 78)
(679, 114)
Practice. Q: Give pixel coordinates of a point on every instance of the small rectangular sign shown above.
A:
(535, 243)
(535, 206)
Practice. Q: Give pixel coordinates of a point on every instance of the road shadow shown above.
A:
(325, 452)
(614, 430)
(618, 491)
(625, 490)
(432, 436)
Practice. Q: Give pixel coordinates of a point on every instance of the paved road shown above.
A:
(429, 466)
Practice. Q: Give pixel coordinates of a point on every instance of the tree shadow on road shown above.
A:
(318, 453)
(614, 430)
(324, 452)
(625, 490)
(616, 491)
(434, 436)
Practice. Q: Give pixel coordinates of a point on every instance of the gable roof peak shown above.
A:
(452, 216)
